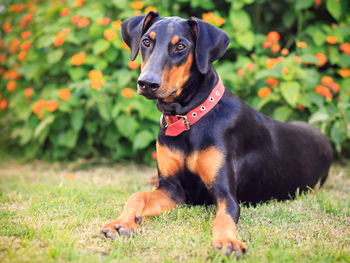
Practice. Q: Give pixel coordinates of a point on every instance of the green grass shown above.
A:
(48, 215)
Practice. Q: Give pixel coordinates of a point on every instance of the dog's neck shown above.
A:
(195, 91)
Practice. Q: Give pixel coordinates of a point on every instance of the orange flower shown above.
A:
(64, 94)
(97, 84)
(83, 22)
(219, 21)
(95, 74)
(26, 34)
(327, 80)
(64, 31)
(125, 46)
(344, 72)
(335, 87)
(79, 3)
(127, 93)
(322, 59)
(22, 55)
(38, 106)
(0, 96)
(26, 19)
(240, 72)
(271, 63)
(284, 51)
(59, 40)
(150, 8)
(285, 70)
(250, 66)
(2, 57)
(3, 104)
(275, 47)
(65, 11)
(75, 19)
(332, 40)
(11, 85)
(273, 36)
(25, 45)
(117, 24)
(11, 74)
(136, 5)
(263, 92)
(297, 59)
(7, 27)
(317, 4)
(104, 21)
(302, 44)
(208, 17)
(345, 47)
(323, 91)
(51, 105)
(78, 59)
(133, 65)
(14, 45)
(271, 81)
(110, 34)
(28, 92)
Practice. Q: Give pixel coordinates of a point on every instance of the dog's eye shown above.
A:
(146, 42)
(180, 46)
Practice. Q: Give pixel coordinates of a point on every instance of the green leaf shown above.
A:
(338, 134)
(319, 116)
(127, 126)
(105, 109)
(308, 58)
(334, 8)
(317, 35)
(77, 119)
(142, 140)
(246, 40)
(68, 139)
(282, 113)
(45, 123)
(77, 73)
(100, 46)
(333, 55)
(54, 56)
(290, 91)
(240, 19)
(303, 4)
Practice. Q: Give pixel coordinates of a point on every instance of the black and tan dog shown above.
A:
(212, 147)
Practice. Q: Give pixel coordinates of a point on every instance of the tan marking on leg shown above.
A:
(175, 39)
(142, 204)
(206, 164)
(152, 35)
(224, 229)
(176, 77)
(169, 161)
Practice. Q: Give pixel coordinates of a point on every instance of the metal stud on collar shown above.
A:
(202, 108)
(211, 99)
(217, 93)
(194, 114)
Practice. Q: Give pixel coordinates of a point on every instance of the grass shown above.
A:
(51, 213)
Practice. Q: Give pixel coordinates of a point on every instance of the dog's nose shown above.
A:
(150, 84)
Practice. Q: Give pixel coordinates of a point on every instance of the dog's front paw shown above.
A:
(121, 227)
(228, 247)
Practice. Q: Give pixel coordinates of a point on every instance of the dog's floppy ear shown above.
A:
(211, 43)
(133, 28)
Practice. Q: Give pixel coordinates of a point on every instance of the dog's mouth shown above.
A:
(160, 96)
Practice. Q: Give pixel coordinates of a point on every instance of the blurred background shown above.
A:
(68, 89)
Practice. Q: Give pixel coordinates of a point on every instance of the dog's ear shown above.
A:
(211, 43)
(133, 28)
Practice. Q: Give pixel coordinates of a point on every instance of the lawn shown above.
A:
(53, 213)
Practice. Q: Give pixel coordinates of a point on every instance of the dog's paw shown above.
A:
(120, 227)
(231, 247)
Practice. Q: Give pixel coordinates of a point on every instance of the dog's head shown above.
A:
(171, 48)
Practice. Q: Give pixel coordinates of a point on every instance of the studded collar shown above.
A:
(177, 124)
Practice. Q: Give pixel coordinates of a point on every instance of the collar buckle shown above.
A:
(185, 121)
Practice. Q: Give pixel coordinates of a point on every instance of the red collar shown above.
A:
(177, 124)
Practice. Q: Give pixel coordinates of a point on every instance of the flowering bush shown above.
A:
(67, 86)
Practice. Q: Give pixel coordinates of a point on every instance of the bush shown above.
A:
(67, 88)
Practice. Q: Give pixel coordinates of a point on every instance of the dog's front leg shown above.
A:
(224, 227)
(139, 205)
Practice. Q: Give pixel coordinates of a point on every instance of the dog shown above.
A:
(212, 148)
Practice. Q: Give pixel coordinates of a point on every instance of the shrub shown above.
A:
(67, 87)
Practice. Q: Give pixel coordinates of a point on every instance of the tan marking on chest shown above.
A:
(206, 164)
(176, 77)
(170, 161)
